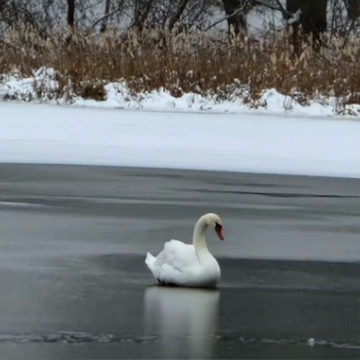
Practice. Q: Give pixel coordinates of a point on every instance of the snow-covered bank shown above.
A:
(231, 142)
(44, 87)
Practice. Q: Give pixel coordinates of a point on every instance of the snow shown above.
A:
(246, 141)
(43, 86)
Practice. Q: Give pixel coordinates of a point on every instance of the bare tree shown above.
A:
(106, 16)
(176, 17)
(236, 15)
(2, 4)
(312, 18)
(353, 8)
(141, 13)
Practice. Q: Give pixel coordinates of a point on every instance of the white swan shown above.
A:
(188, 265)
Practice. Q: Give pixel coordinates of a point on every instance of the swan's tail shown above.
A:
(150, 261)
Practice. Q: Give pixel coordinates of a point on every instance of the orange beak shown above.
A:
(220, 231)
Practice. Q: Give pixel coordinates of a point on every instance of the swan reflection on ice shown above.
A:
(184, 319)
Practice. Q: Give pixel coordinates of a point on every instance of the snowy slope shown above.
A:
(43, 87)
(232, 142)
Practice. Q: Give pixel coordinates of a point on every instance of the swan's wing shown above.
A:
(178, 255)
(174, 264)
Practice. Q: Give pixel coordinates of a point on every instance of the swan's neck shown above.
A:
(199, 240)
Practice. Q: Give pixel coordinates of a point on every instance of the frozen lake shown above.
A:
(73, 283)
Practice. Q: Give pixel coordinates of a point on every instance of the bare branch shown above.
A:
(286, 14)
(141, 13)
(242, 9)
(201, 9)
(177, 15)
(280, 7)
(234, 13)
(105, 17)
(295, 18)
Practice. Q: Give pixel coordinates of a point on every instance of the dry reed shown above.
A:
(187, 62)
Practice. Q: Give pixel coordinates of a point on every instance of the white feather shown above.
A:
(187, 264)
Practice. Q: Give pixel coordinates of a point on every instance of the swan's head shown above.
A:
(215, 221)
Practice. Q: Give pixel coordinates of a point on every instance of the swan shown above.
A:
(191, 265)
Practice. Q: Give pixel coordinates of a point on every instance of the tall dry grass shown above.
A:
(187, 62)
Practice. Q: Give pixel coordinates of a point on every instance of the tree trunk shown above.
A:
(236, 22)
(71, 13)
(106, 12)
(177, 14)
(2, 4)
(141, 12)
(312, 19)
(353, 8)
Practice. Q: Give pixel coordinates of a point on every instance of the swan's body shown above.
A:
(188, 264)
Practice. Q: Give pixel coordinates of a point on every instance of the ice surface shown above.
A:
(242, 142)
